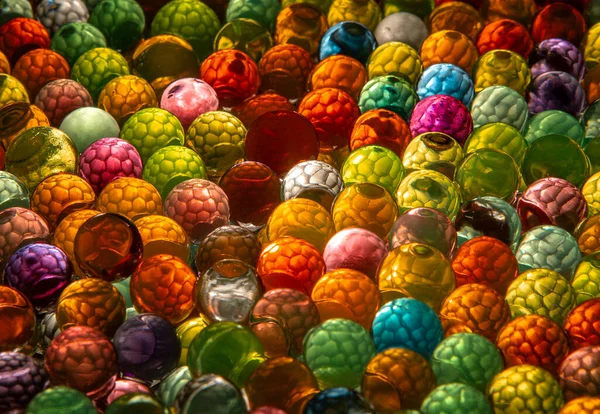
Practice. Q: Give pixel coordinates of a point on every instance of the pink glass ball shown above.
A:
(189, 98)
(59, 98)
(442, 113)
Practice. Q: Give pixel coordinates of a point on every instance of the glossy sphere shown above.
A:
(499, 104)
(401, 27)
(121, 21)
(228, 242)
(125, 95)
(487, 261)
(315, 180)
(426, 188)
(558, 21)
(12, 91)
(433, 151)
(587, 235)
(131, 197)
(348, 294)
(91, 302)
(578, 374)
(282, 382)
(424, 225)
(186, 332)
(232, 74)
(290, 263)
(521, 11)
(61, 97)
(38, 67)
(460, 16)
(388, 92)
(534, 340)
(337, 352)
(505, 34)
(189, 98)
(466, 358)
(13, 192)
(4, 64)
(381, 127)
(285, 68)
(61, 399)
(357, 249)
(583, 324)
(138, 401)
(552, 201)
(40, 272)
(449, 46)
(455, 398)
(23, 378)
(341, 72)
(586, 279)
(218, 137)
(198, 206)
(20, 35)
(147, 347)
(227, 349)
(281, 139)
(581, 404)
(416, 270)
(395, 58)
(209, 390)
(258, 105)
(548, 247)
(260, 195)
(570, 59)
(407, 323)
(59, 195)
(555, 156)
(18, 117)
(443, 114)
(446, 79)
(148, 61)
(541, 292)
(74, 39)
(332, 112)
(108, 246)
(194, 22)
(172, 165)
(498, 136)
(263, 12)
(17, 313)
(301, 24)
(502, 67)
(556, 90)
(336, 399)
(151, 129)
(40, 152)
(554, 122)
(395, 378)
(474, 308)
(81, 358)
(367, 13)
(19, 227)
(163, 285)
(96, 67)
(347, 38)
(281, 319)
(227, 291)
(87, 125)
(373, 164)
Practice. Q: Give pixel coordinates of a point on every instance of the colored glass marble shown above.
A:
(315, 180)
(395, 58)
(87, 125)
(341, 72)
(449, 46)
(125, 95)
(460, 16)
(18, 117)
(433, 151)
(499, 104)
(381, 127)
(61, 399)
(17, 314)
(556, 90)
(558, 21)
(455, 398)
(505, 34)
(189, 98)
(554, 122)
(121, 21)
(147, 347)
(587, 235)
(502, 67)
(442, 113)
(336, 399)
(19, 36)
(24, 378)
(284, 69)
(186, 332)
(586, 279)
(38, 67)
(228, 242)
(580, 404)
(347, 38)
(390, 92)
(61, 97)
(498, 136)
(557, 55)
(581, 325)
(521, 11)
(577, 373)
(75, 38)
(446, 79)
(13, 192)
(96, 67)
(210, 391)
(301, 24)
(402, 27)
(131, 197)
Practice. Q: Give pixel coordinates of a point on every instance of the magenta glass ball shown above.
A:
(189, 98)
(108, 159)
(357, 249)
(442, 113)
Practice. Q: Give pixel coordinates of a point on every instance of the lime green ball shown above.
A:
(373, 164)
(96, 67)
(61, 400)
(455, 398)
(586, 279)
(497, 135)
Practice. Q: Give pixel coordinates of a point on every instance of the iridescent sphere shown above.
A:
(556, 90)
(147, 347)
(189, 98)
(446, 79)
(442, 113)
(557, 55)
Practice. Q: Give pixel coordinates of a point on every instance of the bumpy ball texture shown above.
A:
(556, 90)
(441, 113)
(579, 374)
(455, 398)
(22, 378)
(446, 79)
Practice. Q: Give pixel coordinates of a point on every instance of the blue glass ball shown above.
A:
(407, 323)
(350, 39)
(446, 79)
(338, 401)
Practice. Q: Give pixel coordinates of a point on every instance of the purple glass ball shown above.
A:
(108, 159)
(147, 347)
(556, 90)
(557, 55)
(40, 272)
(189, 98)
(424, 225)
(21, 378)
(442, 113)
(357, 249)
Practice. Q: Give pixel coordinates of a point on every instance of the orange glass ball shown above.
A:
(131, 197)
(381, 127)
(449, 46)
(341, 72)
(301, 24)
(161, 234)
(17, 319)
(38, 67)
